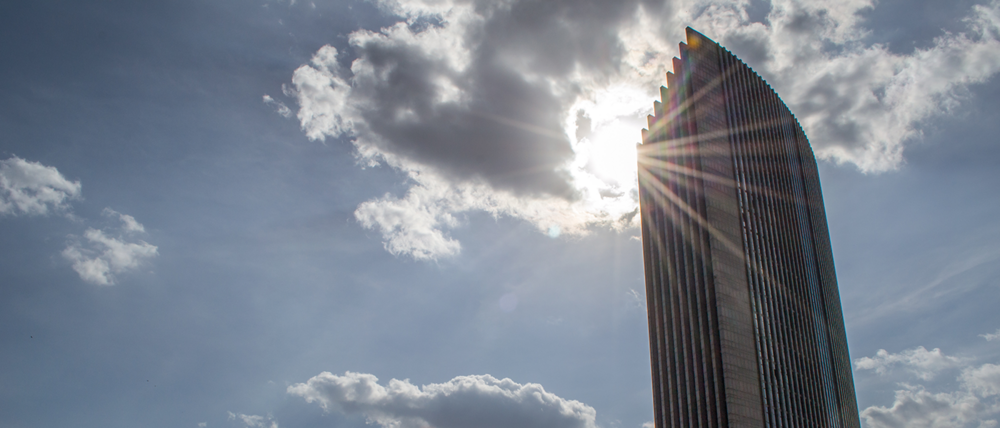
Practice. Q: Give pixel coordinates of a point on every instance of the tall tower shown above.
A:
(745, 324)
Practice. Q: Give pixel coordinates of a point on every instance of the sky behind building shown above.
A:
(205, 206)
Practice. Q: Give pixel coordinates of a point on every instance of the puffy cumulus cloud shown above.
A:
(915, 407)
(34, 189)
(413, 224)
(974, 404)
(858, 103)
(531, 109)
(919, 361)
(984, 380)
(465, 401)
(105, 253)
(252, 421)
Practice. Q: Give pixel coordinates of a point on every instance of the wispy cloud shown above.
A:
(104, 253)
(481, 401)
(254, 421)
(969, 258)
(919, 361)
(486, 110)
(636, 300)
(278, 106)
(31, 188)
(129, 225)
(991, 336)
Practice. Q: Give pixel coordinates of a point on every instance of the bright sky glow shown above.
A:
(604, 166)
(612, 154)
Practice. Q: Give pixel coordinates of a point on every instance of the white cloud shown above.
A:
(862, 104)
(254, 421)
(278, 106)
(984, 380)
(973, 404)
(991, 336)
(919, 361)
(411, 225)
(129, 224)
(915, 407)
(106, 253)
(34, 189)
(465, 401)
(202, 424)
(636, 300)
(536, 119)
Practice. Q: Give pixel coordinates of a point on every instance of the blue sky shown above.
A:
(242, 213)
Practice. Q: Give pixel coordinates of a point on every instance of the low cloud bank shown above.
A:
(252, 421)
(465, 401)
(918, 361)
(975, 402)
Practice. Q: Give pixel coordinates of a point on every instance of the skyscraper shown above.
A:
(745, 323)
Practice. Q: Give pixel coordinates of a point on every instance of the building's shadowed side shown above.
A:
(745, 323)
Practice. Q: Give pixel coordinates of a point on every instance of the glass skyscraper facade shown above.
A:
(745, 323)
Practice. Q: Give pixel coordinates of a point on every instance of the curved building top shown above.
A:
(745, 323)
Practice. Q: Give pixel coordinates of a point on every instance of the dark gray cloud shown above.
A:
(507, 131)
(500, 115)
(556, 37)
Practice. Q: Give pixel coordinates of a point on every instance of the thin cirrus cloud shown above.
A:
(974, 403)
(103, 254)
(532, 109)
(464, 401)
(252, 421)
(30, 188)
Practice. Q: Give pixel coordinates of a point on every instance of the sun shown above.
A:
(606, 150)
(612, 156)
(605, 132)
